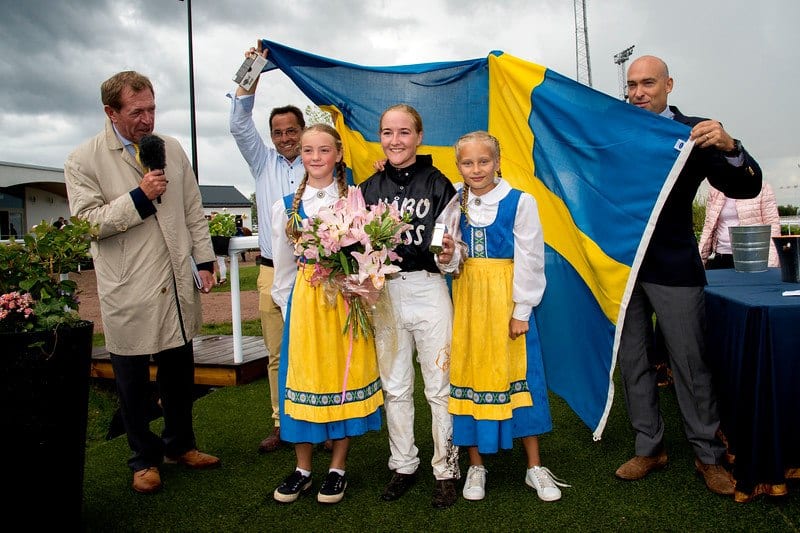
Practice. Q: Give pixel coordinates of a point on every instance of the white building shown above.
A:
(228, 199)
(31, 194)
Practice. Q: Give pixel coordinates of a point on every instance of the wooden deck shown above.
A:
(213, 361)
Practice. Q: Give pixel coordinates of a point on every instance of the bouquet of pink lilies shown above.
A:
(351, 247)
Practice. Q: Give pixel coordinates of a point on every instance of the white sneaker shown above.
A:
(474, 486)
(543, 480)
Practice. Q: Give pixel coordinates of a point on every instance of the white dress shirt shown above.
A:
(274, 175)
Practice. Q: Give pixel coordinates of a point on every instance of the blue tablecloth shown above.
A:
(753, 348)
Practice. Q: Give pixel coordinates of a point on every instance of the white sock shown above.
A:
(304, 472)
(337, 470)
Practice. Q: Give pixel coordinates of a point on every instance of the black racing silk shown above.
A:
(421, 190)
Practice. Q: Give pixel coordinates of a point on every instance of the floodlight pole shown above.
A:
(192, 119)
(620, 60)
(582, 61)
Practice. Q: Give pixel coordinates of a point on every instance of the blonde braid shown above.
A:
(340, 175)
(464, 200)
(292, 228)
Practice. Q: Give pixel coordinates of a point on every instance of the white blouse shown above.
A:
(728, 217)
(285, 262)
(529, 279)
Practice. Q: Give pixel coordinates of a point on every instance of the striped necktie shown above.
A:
(145, 170)
(136, 150)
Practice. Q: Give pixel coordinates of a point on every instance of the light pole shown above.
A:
(620, 60)
(192, 120)
(582, 61)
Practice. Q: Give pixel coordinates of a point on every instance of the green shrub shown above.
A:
(222, 225)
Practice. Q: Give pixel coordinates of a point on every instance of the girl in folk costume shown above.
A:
(497, 382)
(317, 367)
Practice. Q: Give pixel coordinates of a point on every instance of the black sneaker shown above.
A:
(399, 485)
(332, 489)
(444, 493)
(292, 486)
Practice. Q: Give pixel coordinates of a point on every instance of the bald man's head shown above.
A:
(649, 83)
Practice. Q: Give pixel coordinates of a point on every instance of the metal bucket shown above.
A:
(750, 246)
(789, 254)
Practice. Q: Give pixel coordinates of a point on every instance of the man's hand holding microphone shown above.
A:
(154, 160)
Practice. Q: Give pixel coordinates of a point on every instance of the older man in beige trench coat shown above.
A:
(151, 226)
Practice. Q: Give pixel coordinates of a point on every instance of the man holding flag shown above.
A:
(670, 283)
(277, 171)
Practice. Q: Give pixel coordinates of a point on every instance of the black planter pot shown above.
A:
(220, 244)
(44, 396)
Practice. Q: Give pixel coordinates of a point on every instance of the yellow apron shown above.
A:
(318, 370)
(487, 368)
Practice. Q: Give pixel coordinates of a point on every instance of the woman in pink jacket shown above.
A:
(723, 212)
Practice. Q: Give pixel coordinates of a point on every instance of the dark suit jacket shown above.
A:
(672, 257)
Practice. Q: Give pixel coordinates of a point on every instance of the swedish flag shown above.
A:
(599, 169)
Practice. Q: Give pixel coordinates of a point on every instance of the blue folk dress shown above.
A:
(314, 373)
(497, 386)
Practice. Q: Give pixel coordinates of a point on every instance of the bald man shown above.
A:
(670, 283)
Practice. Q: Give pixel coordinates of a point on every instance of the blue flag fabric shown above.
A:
(599, 169)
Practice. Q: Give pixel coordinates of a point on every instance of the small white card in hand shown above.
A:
(198, 281)
(249, 72)
(791, 293)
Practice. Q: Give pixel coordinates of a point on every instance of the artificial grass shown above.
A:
(238, 497)
(103, 400)
(248, 275)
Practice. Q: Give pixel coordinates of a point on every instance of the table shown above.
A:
(753, 349)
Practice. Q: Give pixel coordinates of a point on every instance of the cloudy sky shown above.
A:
(734, 60)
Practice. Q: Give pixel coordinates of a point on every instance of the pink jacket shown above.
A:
(759, 210)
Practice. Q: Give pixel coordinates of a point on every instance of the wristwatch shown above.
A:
(737, 149)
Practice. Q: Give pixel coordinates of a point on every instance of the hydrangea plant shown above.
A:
(33, 294)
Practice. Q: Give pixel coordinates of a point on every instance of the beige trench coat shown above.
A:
(148, 299)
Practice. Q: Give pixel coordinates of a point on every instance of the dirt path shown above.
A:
(216, 305)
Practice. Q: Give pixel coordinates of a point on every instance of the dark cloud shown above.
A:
(734, 60)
